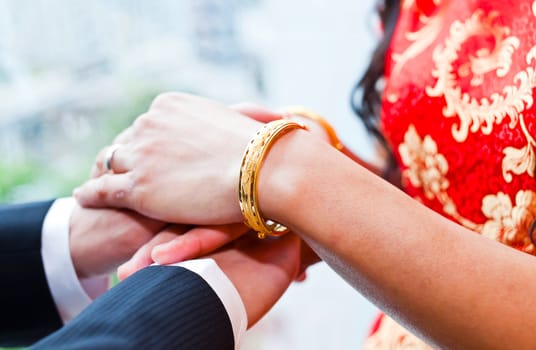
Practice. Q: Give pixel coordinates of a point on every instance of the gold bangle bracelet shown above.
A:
(307, 113)
(252, 160)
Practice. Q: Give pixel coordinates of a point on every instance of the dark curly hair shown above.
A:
(366, 96)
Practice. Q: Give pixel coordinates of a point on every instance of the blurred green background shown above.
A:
(31, 175)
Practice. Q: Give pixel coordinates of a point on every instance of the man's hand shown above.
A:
(260, 270)
(102, 239)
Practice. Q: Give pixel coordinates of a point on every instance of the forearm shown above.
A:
(387, 171)
(371, 167)
(426, 271)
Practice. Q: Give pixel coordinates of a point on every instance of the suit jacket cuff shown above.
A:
(226, 292)
(158, 307)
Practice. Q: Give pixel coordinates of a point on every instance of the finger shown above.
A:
(118, 161)
(257, 112)
(99, 167)
(109, 190)
(197, 242)
(302, 276)
(142, 257)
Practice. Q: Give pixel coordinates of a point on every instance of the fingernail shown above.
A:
(168, 253)
(156, 253)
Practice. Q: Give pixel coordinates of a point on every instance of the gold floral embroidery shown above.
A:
(520, 160)
(421, 39)
(506, 222)
(510, 224)
(426, 167)
(481, 114)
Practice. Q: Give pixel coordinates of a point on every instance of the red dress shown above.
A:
(459, 113)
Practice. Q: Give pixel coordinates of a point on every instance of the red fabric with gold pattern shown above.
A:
(459, 113)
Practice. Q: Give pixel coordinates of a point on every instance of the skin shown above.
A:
(260, 271)
(452, 287)
(102, 239)
(173, 245)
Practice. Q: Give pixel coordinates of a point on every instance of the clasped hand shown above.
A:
(178, 163)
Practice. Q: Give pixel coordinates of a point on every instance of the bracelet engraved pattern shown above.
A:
(307, 113)
(252, 160)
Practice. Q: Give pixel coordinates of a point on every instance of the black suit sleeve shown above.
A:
(27, 309)
(159, 307)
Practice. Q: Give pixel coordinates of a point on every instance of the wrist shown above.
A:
(75, 249)
(252, 163)
(284, 174)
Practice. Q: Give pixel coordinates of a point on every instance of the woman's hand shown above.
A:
(176, 243)
(248, 262)
(260, 271)
(179, 163)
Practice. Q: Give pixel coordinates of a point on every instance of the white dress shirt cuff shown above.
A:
(70, 294)
(226, 291)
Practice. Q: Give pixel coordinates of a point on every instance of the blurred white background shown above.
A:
(72, 74)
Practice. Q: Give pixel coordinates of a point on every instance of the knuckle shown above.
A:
(99, 158)
(101, 192)
(144, 150)
(118, 195)
(109, 192)
(138, 192)
(144, 122)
